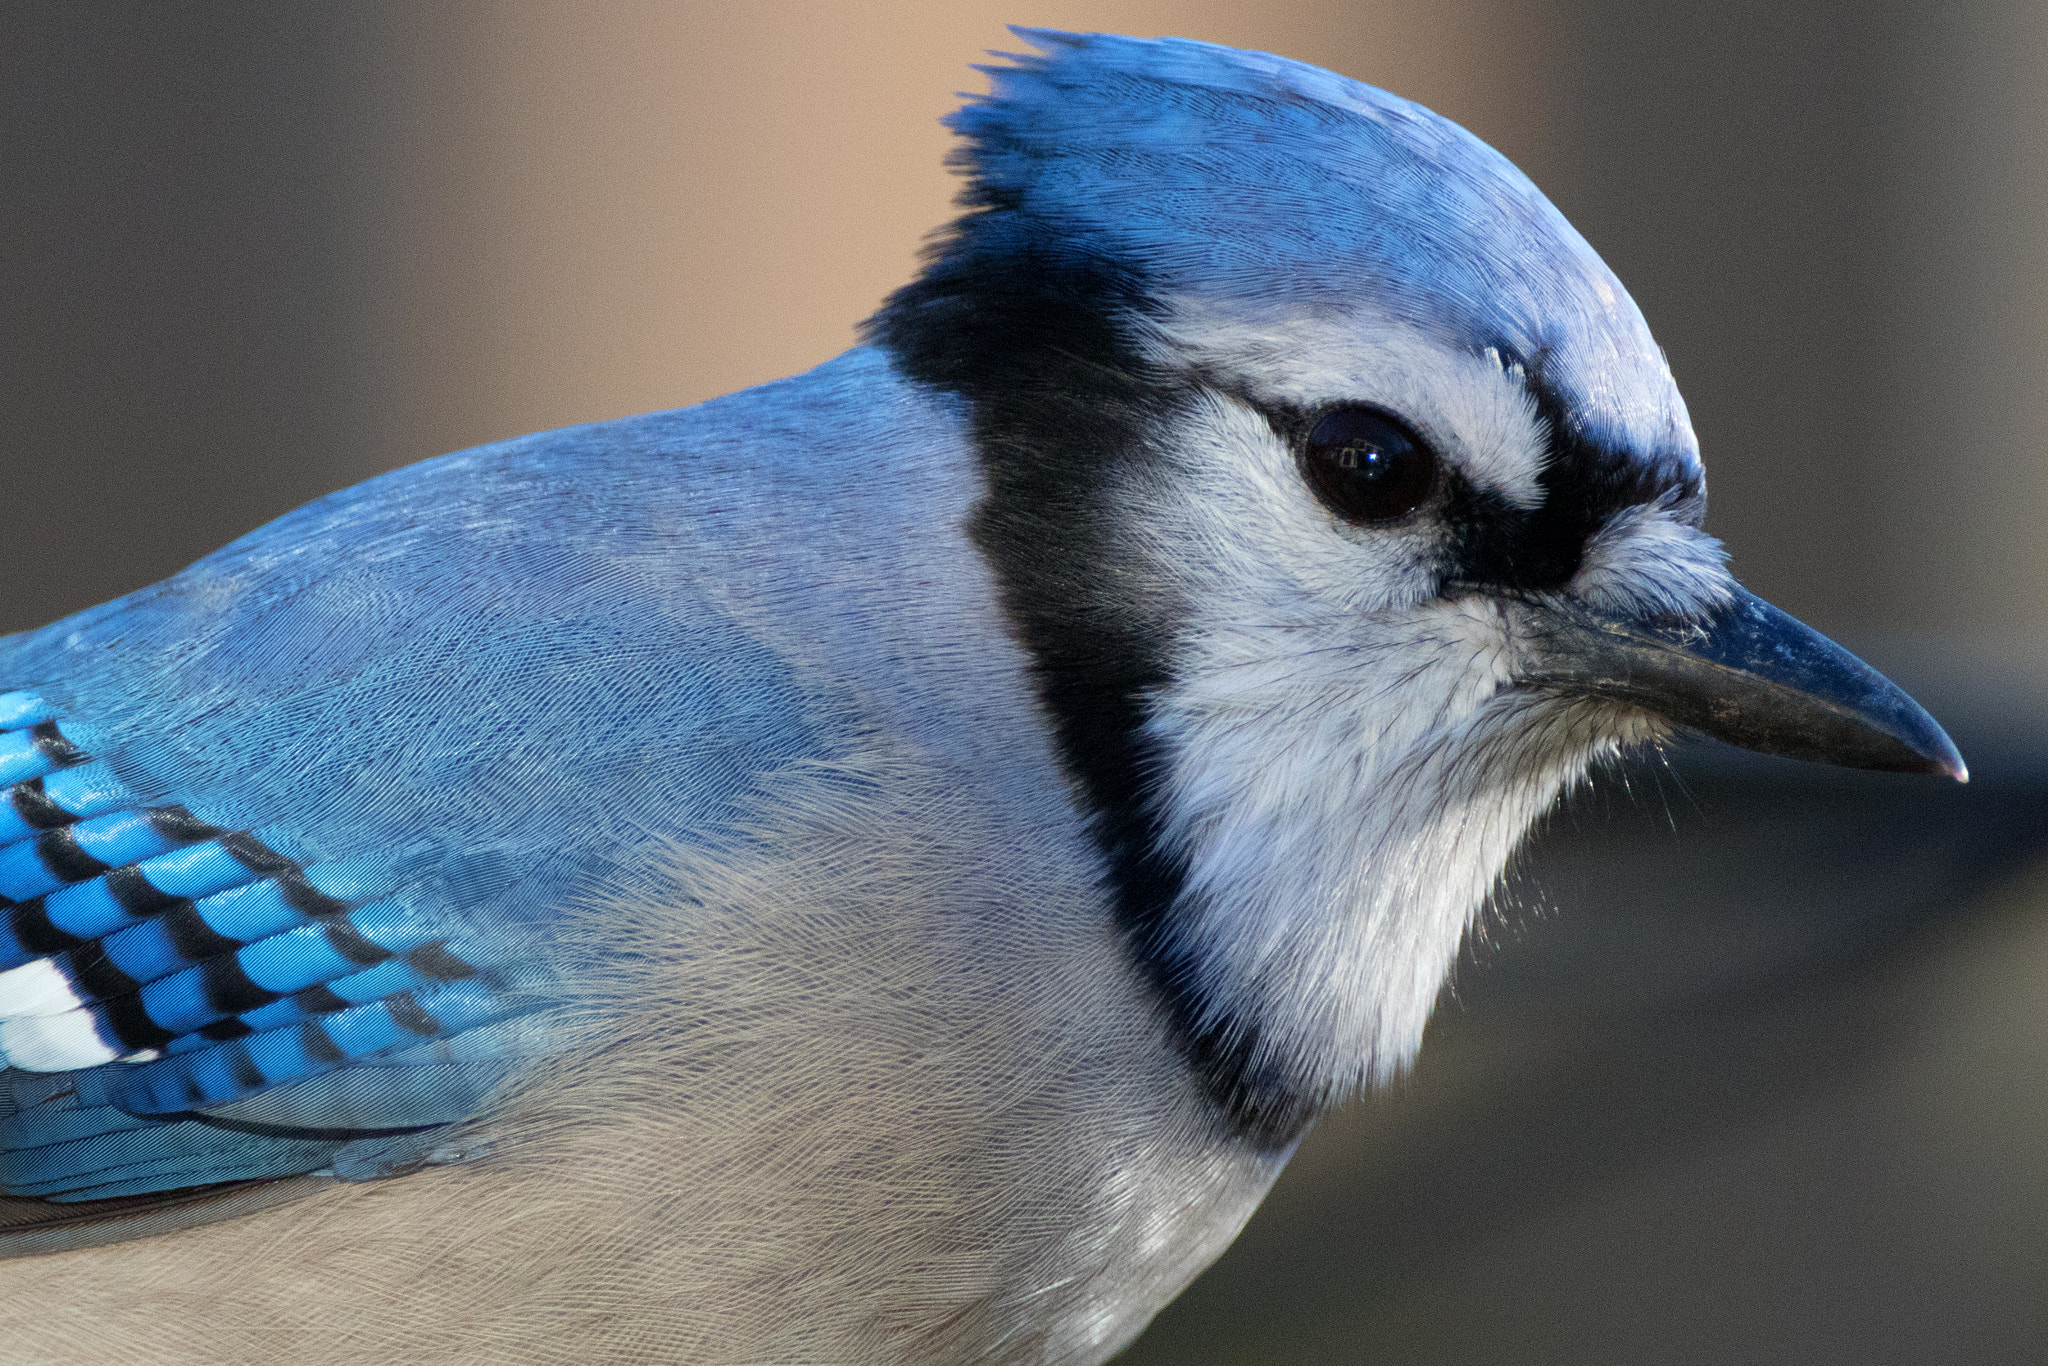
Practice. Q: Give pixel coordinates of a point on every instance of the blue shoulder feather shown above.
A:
(283, 838)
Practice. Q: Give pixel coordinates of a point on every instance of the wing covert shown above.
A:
(284, 839)
(153, 965)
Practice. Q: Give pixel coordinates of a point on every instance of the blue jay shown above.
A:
(884, 866)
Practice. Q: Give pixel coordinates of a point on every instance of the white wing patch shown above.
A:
(54, 1043)
(34, 988)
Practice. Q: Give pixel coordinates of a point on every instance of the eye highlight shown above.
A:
(1367, 465)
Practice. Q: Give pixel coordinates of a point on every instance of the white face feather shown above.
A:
(1472, 408)
(1348, 766)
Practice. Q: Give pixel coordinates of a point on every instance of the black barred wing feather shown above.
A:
(155, 970)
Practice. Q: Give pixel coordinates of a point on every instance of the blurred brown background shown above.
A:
(1751, 1067)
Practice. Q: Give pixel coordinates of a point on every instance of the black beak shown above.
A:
(1750, 675)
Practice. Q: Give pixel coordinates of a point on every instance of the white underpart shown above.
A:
(1348, 768)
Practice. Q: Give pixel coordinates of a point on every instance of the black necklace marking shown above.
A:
(1024, 329)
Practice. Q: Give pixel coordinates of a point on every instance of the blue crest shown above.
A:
(1262, 184)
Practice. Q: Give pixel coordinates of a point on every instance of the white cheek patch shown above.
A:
(1229, 516)
(1344, 815)
(1474, 409)
(1348, 767)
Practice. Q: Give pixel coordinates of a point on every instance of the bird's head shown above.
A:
(1349, 513)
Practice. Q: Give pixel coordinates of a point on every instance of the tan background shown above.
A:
(253, 252)
(625, 206)
(1765, 1090)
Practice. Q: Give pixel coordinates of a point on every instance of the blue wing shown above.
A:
(283, 839)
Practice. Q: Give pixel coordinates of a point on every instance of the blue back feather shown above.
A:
(308, 811)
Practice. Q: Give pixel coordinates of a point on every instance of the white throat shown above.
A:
(1338, 846)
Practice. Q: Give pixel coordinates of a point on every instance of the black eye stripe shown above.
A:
(1584, 484)
(1494, 544)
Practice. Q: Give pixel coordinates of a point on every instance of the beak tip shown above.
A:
(1940, 755)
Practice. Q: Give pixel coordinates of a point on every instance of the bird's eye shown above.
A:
(1367, 465)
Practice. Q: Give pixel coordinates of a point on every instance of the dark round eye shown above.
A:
(1367, 465)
